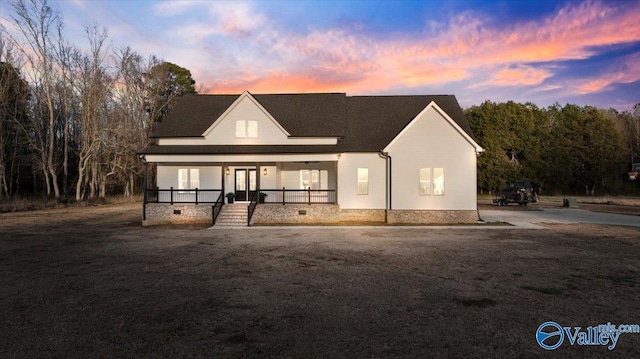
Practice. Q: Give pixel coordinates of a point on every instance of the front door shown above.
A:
(245, 184)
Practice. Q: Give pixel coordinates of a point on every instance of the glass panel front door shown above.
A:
(245, 179)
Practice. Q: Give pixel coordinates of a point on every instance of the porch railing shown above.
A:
(252, 208)
(298, 196)
(182, 195)
(217, 208)
(212, 196)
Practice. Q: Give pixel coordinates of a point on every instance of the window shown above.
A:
(241, 129)
(246, 129)
(188, 178)
(429, 185)
(438, 181)
(363, 181)
(310, 178)
(425, 181)
(252, 129)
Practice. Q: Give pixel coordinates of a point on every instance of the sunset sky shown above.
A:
(583, 52)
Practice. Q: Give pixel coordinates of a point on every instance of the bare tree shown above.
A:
(36, 20)
(13, 97)
(94, 89)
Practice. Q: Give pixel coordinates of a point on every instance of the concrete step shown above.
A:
(232, 216)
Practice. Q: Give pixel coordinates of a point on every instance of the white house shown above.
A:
(313, 158)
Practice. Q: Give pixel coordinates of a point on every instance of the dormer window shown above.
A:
(246, 129)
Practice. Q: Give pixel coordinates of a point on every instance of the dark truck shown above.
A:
(520, 192)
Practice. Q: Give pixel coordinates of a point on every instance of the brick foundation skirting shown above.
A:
(362, 215)
(296, 214)
(432, 216)
(307, 214)
(160, 213)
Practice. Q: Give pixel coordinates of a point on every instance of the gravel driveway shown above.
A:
(528, 218)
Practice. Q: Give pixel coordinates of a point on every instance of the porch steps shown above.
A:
(232, 215)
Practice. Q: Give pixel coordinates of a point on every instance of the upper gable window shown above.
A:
(246, 129)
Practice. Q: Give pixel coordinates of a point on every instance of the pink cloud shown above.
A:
(466, 48)
(518, 75)
(625, 71)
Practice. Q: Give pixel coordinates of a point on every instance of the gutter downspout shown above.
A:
(478, 153)
(144, 189)
(388, 202)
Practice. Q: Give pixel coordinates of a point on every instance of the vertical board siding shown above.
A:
(348, 196)
(432, 142)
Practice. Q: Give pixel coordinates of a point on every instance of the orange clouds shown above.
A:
(627, 71)
(518, 75)
(468, 49)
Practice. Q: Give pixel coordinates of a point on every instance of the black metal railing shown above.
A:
(298, 196)
(182, 195)
(217, 208)
(252, 208)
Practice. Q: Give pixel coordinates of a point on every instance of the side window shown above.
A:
(438, 181)
(363, 181)
(425, 182)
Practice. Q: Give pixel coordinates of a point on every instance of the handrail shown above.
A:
(298, 196)
(217, 208)
(252, 207)
(172, 195)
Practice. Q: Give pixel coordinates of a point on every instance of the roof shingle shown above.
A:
(363, 123)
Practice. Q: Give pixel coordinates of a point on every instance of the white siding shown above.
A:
(210, 176)
(348, 197)
(432, 142)
(290, 174)
(224, 132)
(268, 181)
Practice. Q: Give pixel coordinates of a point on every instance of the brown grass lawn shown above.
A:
(91, 282)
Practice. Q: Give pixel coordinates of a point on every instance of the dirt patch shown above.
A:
(92, 282)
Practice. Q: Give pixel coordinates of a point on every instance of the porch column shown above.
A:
(258, 175)
(224, 176)
(144, 189)
(335, 165)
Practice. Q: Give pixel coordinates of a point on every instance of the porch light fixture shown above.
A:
(228, 171)
(264, 171)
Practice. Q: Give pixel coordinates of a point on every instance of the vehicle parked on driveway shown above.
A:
(520, 192)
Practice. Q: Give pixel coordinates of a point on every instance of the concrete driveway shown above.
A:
(527, 218)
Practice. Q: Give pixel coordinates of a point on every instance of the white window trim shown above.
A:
(424, 190)
(432, 188)
(365, 182)
(191, 180)
(244, 127)
(311, 182)
(435, 185)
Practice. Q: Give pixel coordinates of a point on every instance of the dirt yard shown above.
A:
(91, 282)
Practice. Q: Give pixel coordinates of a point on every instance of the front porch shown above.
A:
(165, 206)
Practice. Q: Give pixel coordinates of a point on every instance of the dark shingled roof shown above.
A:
(193, 114)
(363, 123)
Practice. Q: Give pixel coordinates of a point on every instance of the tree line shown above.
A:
(72, 119)
(563, 149)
